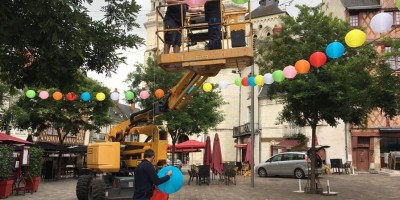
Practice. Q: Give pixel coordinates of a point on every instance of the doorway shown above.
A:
(362, 159)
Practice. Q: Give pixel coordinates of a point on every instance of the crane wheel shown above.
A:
(82, 187)
(97, 191)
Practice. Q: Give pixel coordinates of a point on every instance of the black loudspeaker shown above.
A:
(238, 38)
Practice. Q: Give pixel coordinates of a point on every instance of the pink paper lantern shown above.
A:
(144, 94)
(195, 3)
(43, 94)
(289, 71)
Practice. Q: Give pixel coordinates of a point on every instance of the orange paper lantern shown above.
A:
(57, 96)
(159, 93)
(302, 66)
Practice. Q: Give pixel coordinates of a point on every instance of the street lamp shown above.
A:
(240, 101)
(252, 119)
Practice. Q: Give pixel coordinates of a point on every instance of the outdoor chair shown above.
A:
(346, 167)
(204, 174)
(239, 168)
(192, 175)
(230, 174)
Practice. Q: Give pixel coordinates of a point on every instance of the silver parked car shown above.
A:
(288, 164)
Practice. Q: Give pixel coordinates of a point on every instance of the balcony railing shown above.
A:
(244, 130)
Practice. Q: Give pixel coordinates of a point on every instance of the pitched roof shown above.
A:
(262, 11)
(121, 112)
(361, 4)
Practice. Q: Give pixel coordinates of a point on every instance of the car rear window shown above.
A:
(299, 157)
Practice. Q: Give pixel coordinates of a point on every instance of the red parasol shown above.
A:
(4, 138)
(216, 164)
(248, 151)
(191, 144)
(207, 159)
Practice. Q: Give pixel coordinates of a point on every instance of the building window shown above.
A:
(354, 20)
(396, 17)
(392, 60)
(51, 131)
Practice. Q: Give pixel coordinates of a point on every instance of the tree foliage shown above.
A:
(198, 115)
(45, 43)
(347, 89)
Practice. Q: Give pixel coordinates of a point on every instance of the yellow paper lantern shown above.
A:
(259, 80)
(355, 38)
(207, 87)
(100, 96)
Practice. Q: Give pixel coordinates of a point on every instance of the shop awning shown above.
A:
(184, 150)
(288, 143)
(241, 146)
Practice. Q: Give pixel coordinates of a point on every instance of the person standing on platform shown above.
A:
(173, 20)
(212, 11)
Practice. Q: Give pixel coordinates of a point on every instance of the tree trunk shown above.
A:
(313, 186)
(173, 151)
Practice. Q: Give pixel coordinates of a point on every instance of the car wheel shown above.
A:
(262, 172)
(298, 173)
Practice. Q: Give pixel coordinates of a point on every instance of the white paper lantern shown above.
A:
(114, 96)
(381, 22)
(223, 84)
(268, 79)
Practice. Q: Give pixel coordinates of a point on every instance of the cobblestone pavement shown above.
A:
(361, 186)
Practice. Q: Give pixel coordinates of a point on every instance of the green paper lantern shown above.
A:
(398, 4)
(240, 1)
(238, 81)
(30, 94)
(278, 76)
(129, 95)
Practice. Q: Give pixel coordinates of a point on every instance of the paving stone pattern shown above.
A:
(349, 187)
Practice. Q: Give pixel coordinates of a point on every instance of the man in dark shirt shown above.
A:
(173, 20)
(212, 11)
(146, 177)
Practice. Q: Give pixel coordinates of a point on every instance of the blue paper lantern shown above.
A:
(85, 96)
(252, 81)
(335, 50)
(175, 183)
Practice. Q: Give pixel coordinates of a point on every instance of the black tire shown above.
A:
(262, 172)
(97, 191)
(82, 187)
(298, 173)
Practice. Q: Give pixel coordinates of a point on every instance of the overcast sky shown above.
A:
(137, 55)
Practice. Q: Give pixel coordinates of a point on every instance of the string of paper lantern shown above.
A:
(86, 96)
(380, 23)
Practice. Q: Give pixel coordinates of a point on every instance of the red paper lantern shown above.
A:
(318, 59)
(71, 96)
(302, 66)
(245, 81)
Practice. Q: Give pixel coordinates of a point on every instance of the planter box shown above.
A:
(6, 188)
(32, 185)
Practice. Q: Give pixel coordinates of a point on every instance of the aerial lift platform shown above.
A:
(237, 43)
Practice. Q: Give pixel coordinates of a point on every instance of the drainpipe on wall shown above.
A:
(345, 140)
